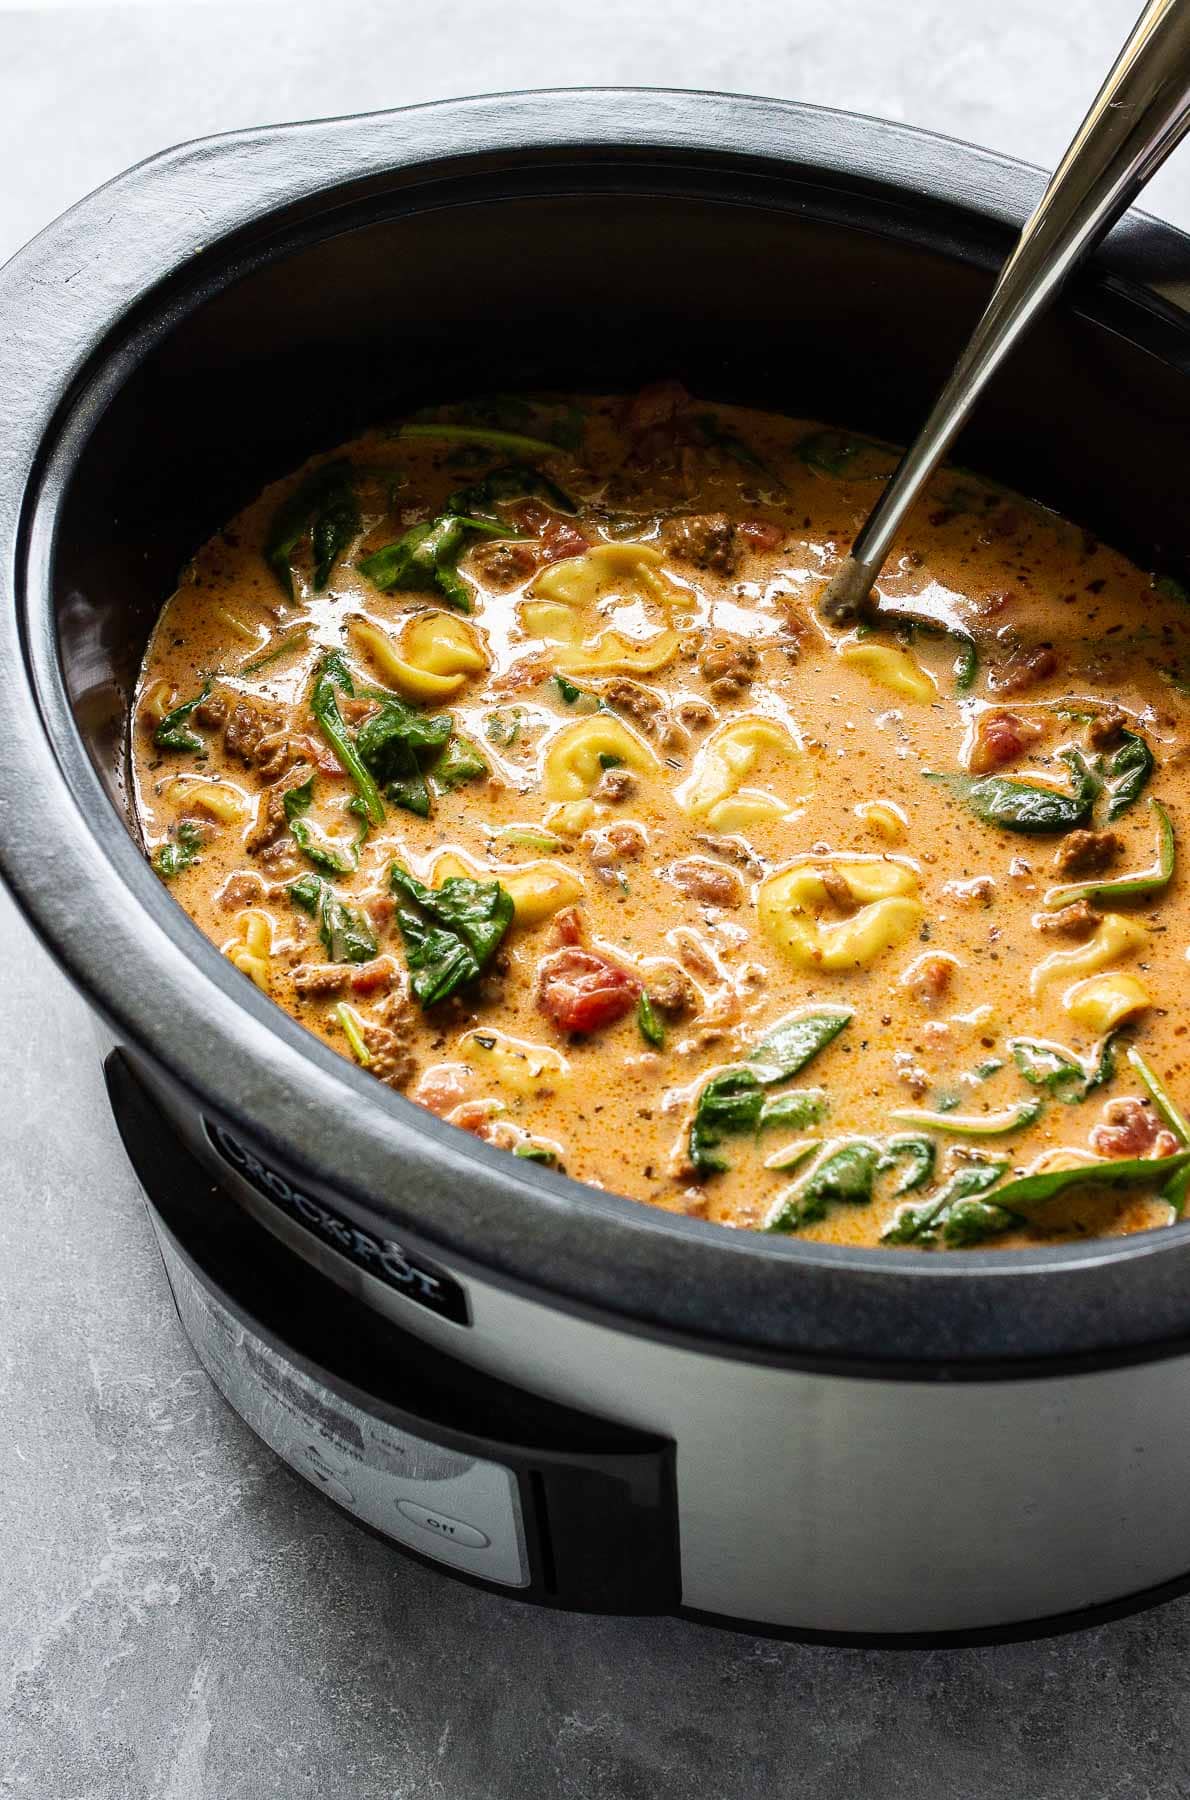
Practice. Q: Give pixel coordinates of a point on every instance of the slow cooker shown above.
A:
(540, 1387)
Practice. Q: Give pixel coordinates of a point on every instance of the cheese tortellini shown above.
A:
(891, 667)
(794, 903)
(513, 1062)
(431, 660)
(577, 756)
(1114, 938)
(1102, 1002)
(611, 653)
(716, 793)
(220, 800)
(550, 620)
(885, 819)
(156, 701)
(565, 594)
(252, 947)
(625, 571)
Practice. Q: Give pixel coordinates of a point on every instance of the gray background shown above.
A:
(179, 1617)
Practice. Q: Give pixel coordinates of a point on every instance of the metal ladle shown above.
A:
(1141, 112)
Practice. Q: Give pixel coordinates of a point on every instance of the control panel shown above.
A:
(462, 1510)
(486, 1479)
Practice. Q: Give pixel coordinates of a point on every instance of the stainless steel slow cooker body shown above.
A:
(781, 1434)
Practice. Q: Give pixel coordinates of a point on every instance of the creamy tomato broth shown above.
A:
(508, 751)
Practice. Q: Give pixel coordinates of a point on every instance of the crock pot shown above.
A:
(541, 1387)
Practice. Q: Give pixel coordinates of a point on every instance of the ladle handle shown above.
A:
(1140, 114)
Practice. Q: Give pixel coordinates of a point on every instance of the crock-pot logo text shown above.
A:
(412, 1276)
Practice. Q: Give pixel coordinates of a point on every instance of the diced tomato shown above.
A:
(556, 538)
(1000, 738)
(761, 534)
(583, 992)
(530, 515)
(562, 540)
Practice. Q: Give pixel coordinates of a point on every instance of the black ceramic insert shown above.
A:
(209, 319)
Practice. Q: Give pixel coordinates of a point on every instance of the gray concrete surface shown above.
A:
(180, 1619)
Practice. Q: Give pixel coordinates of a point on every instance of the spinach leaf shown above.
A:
(847, 1174)
(729, 1105)
(1163, 1100)
(515, 442)
(793, 1155)
(968, 1222)
(346, 935)
(565, 423)
(273, 652)
(332, 674)
(920, 1224)
(919, 1152)
(350, 1021)
(577, 697)
(1175, 1191)
(459, 762)
(323, 505)
(1059, 1071)
(1125, 887)
(794, 1110)
(734, 1104)
(529, 1151)
(397, 745)
(569, 428)
(1127, 773)
(1023, 805)
(716, 437)
(181, 852)
(1013, 1118)
(966, 663)
(324, 853)
(515, 481)
(1176, 1188)
(909, 628)
(842, 453)
(454, 932)
(426, 557)
(531, 837)
(963, 500)
(1034, 1190)
(793, 1042)
(651, 1028)
(507, 412)
(174, 733)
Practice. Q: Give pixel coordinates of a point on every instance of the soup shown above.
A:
(506, 749)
